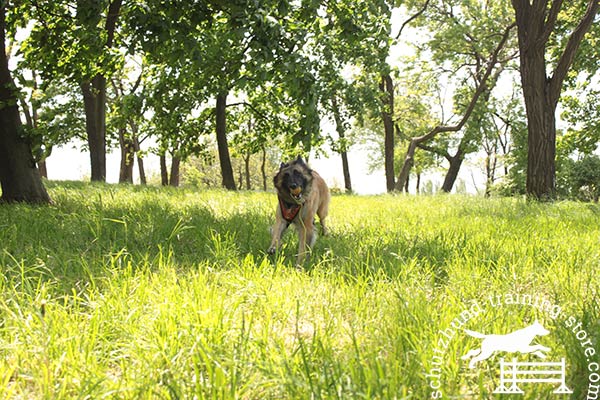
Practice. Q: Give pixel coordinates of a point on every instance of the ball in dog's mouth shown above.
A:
(296, 193)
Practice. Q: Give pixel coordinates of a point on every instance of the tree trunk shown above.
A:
(452, 174)
(175, 164)
(94, 101)
(541, 126)
(140, 159)
(418, 183)
(409, 161)
(387, 88)
(263, 168)
(43, 168)
(127, 157)
(535, 23)
(31, 120)
(19, 176)
(223, 147)
(240, 178)
(247, 167)
(342, 146)
(164, 173)
(489, 179)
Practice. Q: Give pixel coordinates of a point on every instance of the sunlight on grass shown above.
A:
(128, 292)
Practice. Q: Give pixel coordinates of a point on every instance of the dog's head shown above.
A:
(539, 329)
(293, 181)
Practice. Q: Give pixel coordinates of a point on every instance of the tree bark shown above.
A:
(140, 159)
(94, 100)
(175, 164)
(343, 147)
(452, 174)
(19, 176)
(263, 168)
(43, 168)
(164, 173)
(221, 128)
(247, 170)
(535, 23)
(31, 120)
(127, 157)
(387, 88)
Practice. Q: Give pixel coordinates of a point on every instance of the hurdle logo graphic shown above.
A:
(519, 341)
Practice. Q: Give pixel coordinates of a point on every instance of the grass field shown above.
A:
(123, 292)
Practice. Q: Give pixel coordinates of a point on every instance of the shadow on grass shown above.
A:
(79, 238)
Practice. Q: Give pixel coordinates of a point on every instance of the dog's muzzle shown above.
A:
(296, 193)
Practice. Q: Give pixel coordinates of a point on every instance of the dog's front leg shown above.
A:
(306, 238)
(276, 232)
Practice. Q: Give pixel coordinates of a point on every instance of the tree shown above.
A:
(94, 90)
(341, 146)
(74, 41)
(126, 108)
(463, 35)
(484, 74)
(585, 178)
(536, 21)
(19, 176)
(387, 89)
(349, 35)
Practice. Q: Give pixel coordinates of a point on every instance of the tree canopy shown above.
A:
(242, 79)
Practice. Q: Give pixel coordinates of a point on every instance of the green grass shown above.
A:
(142, 293)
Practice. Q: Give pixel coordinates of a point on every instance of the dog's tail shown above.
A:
(475, 334)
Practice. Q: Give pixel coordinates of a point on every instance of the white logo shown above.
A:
(526, 364)
(517, 341)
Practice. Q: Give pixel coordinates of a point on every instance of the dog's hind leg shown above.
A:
(484, 355)
(322, 212)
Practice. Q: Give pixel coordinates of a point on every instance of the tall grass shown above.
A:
(143, 293)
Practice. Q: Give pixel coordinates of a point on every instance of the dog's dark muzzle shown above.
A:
(296, 191)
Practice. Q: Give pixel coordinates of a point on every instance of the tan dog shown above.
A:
(301, 194)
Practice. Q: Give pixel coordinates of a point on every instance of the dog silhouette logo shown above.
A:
(517, 341)
(514, 372)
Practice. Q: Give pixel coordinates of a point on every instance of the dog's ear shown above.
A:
(300, 161)
(282, 165)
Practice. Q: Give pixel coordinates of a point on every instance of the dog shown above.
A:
(517, 341)
(301, 193)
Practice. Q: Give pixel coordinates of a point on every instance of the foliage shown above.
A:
(581, 113)
(583, 178)
(130, 292)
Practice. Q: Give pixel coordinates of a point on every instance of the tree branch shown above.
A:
(481, 87)
(551, 20)
(568, 55)
(249, 105)
(415, 16)
(435, 150)
(478, 91)
(111, 21)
